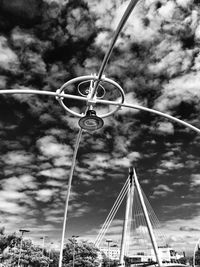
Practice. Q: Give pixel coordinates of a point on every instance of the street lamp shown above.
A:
(43, 242)
(22, 231)
(74, 242)
(50, 253)
(109, 241)
(91, 121)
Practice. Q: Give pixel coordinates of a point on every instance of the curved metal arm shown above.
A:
(104, 102)
(188, 125)
(121, 24)
(39, 92)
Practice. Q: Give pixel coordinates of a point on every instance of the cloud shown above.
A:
(195, 180)
(114, 232)
(3, 81)
(171, 165)
(167, 10)
(180, 89)
(184, 3)
(91, 192)
(178, 183)
(58, 173)
(172, 63)
(14, 200)
(99, 160)
(17, 158)
(189, 229)
(180, 233)
(131, 99)
(22, 182)
(49, 147)
(165, 128)
(8, 58)
(161, 191)
(11, 207)
(134, 156)
(135, 27)
(44, 195)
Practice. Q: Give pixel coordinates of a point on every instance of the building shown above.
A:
(167, 255)
(112, 252)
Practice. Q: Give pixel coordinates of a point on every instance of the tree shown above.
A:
(85, 254)
(108, 262)
(197, 257)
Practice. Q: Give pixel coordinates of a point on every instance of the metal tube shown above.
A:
(74, 246)
(43, 243)
(121, 24)
(126, 220)
(21, 243)
(39, 92)
(20, 251)
(68, 194)
(104, 102)
(109, 241)
(146, 215)
(186, 124)
(73, 260)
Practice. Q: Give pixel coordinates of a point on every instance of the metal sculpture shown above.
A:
(90, 98)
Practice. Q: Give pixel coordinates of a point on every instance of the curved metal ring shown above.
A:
(61, 90)
(82, 94)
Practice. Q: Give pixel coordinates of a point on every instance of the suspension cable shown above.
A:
(112, 213)
(155, 220)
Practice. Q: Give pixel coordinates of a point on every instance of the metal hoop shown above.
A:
(86, 93)
(90, 101)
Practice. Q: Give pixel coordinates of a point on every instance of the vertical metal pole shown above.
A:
(109, 254)
(20, 251)
(109, 241)
(149, 226)
(68, 194)
(73, 253)
(42, 244)
(50, 253)
(126, 219)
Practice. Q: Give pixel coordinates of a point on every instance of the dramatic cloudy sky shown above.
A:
(157, 62)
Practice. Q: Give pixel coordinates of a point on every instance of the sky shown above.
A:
(156, 61)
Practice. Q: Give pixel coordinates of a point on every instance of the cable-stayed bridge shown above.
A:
(142, 240)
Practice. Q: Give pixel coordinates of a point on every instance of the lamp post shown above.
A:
(73, 240)
(50, 253)
(109, 241)
(22, 231)
(43, 242)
